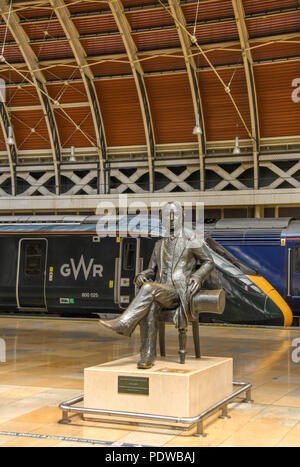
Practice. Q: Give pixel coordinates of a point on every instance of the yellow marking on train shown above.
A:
(269, 290)
(111, 284)
(118, 239)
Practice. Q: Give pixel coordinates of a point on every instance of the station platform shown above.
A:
(44, 366)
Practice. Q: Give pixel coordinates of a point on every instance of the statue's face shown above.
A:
(172, 217)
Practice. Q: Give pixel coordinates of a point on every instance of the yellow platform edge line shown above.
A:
(208, 325)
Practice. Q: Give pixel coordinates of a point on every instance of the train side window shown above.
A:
(33, 259)
(297, 258)
(128, 257)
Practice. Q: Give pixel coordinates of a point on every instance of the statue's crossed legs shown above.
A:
(144, 308)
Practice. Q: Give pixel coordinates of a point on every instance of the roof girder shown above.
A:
(207, 46)
(5, 122)
(71, 33)
(116, 7)
(40, 83)
(148, 7)
(154, 29)
(250, 80)
(191, 67)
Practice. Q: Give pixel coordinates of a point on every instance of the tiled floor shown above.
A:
(44, 366)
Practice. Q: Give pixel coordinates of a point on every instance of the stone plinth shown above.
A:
(168, 388)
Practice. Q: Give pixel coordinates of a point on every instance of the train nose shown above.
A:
(274, 313)
(275, 305)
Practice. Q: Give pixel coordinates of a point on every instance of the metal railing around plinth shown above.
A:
(69, 407)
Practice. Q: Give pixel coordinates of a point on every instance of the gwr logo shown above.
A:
(67, 269)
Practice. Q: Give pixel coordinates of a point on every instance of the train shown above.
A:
(68, 265)
(270, 245)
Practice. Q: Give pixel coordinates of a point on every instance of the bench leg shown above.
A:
(182, 345)
(162, 343)
(196, 339)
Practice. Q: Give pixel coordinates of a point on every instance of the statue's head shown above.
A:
(172, 218)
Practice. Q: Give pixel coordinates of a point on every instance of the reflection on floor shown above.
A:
(44, 366)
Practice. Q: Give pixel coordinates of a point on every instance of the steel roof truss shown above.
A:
(63, 15)
(11, 148)
(116, 7)
(30, 58)
(252, 97)
(191, 67)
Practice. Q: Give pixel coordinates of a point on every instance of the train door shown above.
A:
(293, 271)
(31, 274)
(294, 279)
(127, 266)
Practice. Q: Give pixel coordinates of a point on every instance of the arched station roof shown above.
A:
(111, 76)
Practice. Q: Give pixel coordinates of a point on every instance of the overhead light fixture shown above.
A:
(197, 130)
(10, 139)
(237, 149)
(72, 157)
(194, 39)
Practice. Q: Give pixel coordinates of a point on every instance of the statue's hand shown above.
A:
(195, 283)
(140, 279)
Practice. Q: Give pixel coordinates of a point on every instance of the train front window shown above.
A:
(297, 259)
(247, 284)
(33, 261)
(219, 249)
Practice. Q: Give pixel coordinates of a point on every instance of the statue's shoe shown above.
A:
(145, 365)
(115, 325)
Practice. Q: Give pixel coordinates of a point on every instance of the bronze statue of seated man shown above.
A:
(178, 266)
